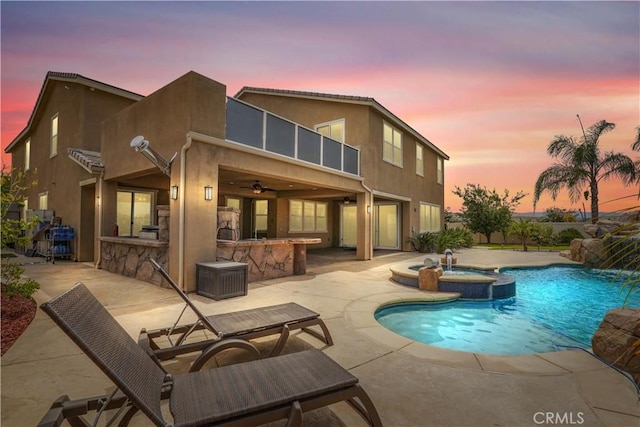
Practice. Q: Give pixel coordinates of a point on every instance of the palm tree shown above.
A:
(582, 166)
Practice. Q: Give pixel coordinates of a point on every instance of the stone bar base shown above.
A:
(267, 258)
(130, 257)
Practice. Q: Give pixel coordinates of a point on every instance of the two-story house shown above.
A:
(335, 170)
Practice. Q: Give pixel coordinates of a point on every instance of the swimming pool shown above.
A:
(554, 307)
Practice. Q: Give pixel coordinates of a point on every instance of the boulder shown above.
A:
(617, 340)
(602, 227)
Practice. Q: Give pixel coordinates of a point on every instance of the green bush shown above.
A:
(566, 236)
(424, 242)
(13, 284)
(454, 239)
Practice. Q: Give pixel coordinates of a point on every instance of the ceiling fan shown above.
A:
(257, 188)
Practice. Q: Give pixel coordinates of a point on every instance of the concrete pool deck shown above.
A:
(411, 384)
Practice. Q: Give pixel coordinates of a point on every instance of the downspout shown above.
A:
(100, 204)
(181, 202)
(370, 248)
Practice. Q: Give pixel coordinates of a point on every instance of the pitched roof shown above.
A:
(363, 100)
(91, 161)
(68, 77)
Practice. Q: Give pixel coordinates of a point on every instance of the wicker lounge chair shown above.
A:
(229, 330)
(250, 393)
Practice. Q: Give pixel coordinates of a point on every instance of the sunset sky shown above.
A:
(489, 83)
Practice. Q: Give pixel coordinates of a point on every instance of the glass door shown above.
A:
(387, 224)
(348, 226)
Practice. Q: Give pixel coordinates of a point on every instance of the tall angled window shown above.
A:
(440, 170)
(54, 135)
(261, 215)
(27, 154)
(419, 160)
(392, 145)
(333, 130)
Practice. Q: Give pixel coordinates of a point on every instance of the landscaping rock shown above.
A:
(617, 340)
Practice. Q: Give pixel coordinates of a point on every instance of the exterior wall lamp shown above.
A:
(208, 192)
(368, 209)
(174, 192)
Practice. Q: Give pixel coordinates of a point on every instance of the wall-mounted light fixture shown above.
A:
(346, 200)
(174, 192)
(208, 192)
(368, 209)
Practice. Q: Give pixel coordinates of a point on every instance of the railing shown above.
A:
(264, 131)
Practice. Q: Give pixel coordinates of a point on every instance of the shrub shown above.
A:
(424, 242)
(454, 239)
(13, 284)
(566, 236)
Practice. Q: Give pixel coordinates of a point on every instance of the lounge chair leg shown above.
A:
(366, 409)
(284, 336)
(295, 416)
(225, 344)
(326, 338)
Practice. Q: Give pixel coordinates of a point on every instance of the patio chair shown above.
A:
(250, 393)
(229, 330)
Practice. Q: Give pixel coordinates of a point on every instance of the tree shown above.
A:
(523, 230)
(485, 211)
(554, 214)
(14, 232)
(581, 167)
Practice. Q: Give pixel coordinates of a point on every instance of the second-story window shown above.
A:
(419, 160)
(440, 170)
(54, 135)
(333, 130)
(27, 155)
(392, 145)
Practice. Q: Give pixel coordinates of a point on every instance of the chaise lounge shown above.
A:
(250, 393)
(229, 330)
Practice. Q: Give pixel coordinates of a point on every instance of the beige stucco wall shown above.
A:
(364, 130)
(80, 113)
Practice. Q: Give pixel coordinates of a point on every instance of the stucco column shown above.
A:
(364, 249)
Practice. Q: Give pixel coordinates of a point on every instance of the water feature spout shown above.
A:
(448, 253)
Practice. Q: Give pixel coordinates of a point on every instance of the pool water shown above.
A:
(554, 308)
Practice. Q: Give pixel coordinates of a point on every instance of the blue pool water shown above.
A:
(554, 307)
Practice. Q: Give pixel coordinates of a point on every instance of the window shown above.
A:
(261, 215)
(333, 130)
(392, 145)
(233, 202)
(54, 135)
(419, 160)
(307, 217)
(133, 211)
(43, 201)
(27, 154)
(429, 217)
(440, 170)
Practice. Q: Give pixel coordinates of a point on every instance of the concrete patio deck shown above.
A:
(411, 384)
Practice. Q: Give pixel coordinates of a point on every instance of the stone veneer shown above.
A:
(130, 257)
(266, 260)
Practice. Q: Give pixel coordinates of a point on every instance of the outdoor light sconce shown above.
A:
(368, 209)
(208, 193)
(174, 192)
